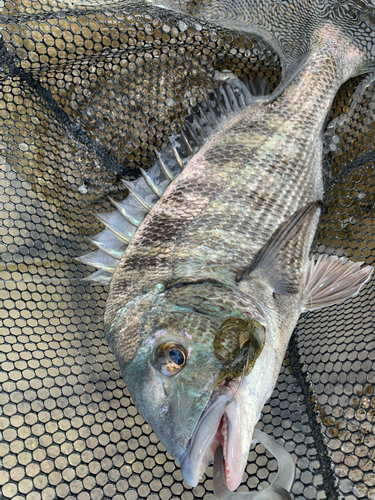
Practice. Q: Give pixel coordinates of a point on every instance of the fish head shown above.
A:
(234, 408)
(166, 357)
(164, 343)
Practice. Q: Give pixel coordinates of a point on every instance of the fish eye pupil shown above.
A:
(169, 358)
(177, 356)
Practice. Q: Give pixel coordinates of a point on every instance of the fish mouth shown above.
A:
(219, 424)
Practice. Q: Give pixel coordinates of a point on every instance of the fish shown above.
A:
(208, 259)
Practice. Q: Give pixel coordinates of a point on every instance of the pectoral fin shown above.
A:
(281, 262)
(331, 280)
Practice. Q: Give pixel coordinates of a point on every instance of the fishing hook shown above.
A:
(239, 386)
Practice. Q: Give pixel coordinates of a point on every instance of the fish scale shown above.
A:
(227, 242)
(187, 189)
(61, 157)
(144, 192)
(227, 199)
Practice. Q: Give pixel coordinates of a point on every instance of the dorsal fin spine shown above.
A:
(124, 237)
(104, 248)
(212, 112)
(140, 200)
(245, 93)
(125, 213)
(234, 104)
(177, 156)
(226, 100)
(222, 108)
(201, 128)
(206, 119)
(242, 100)
(163, 165)
(101, 277)
(190, 128)
(99, 260)
(151, 183)
(183, 135)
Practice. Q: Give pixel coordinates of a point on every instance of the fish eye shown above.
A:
(170, 358)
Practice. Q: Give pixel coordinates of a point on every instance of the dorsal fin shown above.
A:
(229, 99)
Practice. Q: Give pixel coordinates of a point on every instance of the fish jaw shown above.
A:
(220, 424)
(231, 425)
(233, 454)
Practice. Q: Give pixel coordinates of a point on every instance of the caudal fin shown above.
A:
(289, 25)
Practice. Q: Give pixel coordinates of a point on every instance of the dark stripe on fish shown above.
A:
(188, 283)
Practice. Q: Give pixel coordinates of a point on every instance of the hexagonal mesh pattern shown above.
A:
(86, 92)
(337, 351)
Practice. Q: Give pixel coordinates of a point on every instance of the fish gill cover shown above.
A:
(87, 91)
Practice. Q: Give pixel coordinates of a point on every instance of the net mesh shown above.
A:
(86, 92)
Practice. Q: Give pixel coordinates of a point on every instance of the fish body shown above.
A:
(251, 175)
(229, 238)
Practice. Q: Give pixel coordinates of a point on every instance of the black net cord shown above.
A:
(358, 162)
(9, 66)
(325, 463)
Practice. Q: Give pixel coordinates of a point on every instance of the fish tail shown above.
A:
(352, 57)
(293, 28)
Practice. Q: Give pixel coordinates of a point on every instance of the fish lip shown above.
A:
(195, 451)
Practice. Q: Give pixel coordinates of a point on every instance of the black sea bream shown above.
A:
(212, 266)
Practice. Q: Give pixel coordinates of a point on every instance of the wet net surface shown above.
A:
(86, 93)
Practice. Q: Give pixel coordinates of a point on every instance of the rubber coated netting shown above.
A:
(87, 91)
